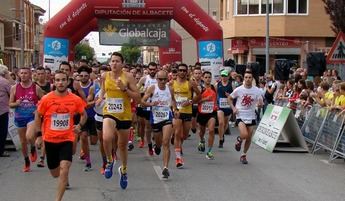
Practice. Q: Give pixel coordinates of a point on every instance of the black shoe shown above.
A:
(221, 142)
(157, 150)
(193, 130)
(165, 173)
(130, 146)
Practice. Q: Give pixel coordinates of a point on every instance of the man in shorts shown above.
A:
(57, 110)
(248, 97)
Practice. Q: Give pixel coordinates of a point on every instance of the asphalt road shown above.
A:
(268, 176)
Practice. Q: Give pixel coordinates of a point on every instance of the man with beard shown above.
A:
(57, 110)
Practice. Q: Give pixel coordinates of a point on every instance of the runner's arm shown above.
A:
(38, 119)
(80, 91)
(13, 103)
(91, 98)
(196, 90)
(131, 89)
(146, 96)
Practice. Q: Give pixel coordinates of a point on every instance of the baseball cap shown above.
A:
(224, 73)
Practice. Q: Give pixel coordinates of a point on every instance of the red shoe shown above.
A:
(179, 163)
(26, 168)
(33, 155)
(141, 144)
(150, 152)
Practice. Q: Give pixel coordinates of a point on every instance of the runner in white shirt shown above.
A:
(161, 117)
(248, 97)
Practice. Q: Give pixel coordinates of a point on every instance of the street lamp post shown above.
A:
(267, 37)
(22, 39)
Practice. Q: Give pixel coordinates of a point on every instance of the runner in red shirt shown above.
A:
(57, 109)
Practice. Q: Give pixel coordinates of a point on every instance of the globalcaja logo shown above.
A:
(110, 30)
(133, 4)
(56, 45)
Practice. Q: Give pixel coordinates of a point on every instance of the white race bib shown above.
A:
(223, 103)
(179, 101)
(115, 105)
(207, 107)
(60, 122)
(160, 114)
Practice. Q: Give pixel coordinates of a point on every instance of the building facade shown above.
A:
(297, 27)
(11, 11)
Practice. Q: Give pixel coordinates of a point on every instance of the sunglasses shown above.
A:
(224, 76)
(182, 70)
(150, 69)
(162, 79)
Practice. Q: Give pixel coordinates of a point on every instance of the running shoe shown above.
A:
(108, 172)
(33, 154)
(102, 168)
(150, 152)
(123, 179)
(130, 146)
(238, 144)
(201, 147)
(141, 144)
(221, 142)
(68, 186)
(179, 163)
(165, 173)
(40, 164)
(209, 156)
(88, 167)
(26, 167)
(243, 159)
(157, 150)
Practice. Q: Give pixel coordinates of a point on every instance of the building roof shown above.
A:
(38, 10)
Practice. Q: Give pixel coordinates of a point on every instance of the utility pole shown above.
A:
(267, 37)
(22, 37)
(49, 10)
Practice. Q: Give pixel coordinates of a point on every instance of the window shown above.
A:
(242, 7)
(263, 6)
(297, 6)
(254, 6)
(258, 7)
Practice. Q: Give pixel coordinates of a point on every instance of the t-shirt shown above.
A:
(58, 112)
(247, 99)
(340, 101)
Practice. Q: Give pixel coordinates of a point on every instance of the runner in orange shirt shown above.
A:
(57, 109)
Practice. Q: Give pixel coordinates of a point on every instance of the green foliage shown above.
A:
(84, 49)
(336, 11)
(130, 53)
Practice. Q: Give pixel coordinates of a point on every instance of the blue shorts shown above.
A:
(23, 122)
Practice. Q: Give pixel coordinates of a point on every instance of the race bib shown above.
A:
(60, 122)
(207, 107)
(180, 101)
(223, 103)
(160, 114)
(115, 105)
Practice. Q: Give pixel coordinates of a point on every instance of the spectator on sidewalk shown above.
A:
(4, 109)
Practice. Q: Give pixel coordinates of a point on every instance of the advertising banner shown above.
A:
(278, 131)
(55, 51)
(211, 57)
(148, 33)
(13, 131)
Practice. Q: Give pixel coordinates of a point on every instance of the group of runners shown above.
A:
(114, 103)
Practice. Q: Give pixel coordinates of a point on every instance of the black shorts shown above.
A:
(57, 152)
(203, 119)
(159, 127)
(142, 112)
(185, 117)
(194, 111)
(252, 123)
(99, 125)
(76, 119)
(226, 111)
(120, 125)
(90, 126)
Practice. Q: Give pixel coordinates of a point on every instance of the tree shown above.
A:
(84, 49)
(130, 53)
(336, 10)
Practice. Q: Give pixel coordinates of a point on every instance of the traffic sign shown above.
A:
(337, 53)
